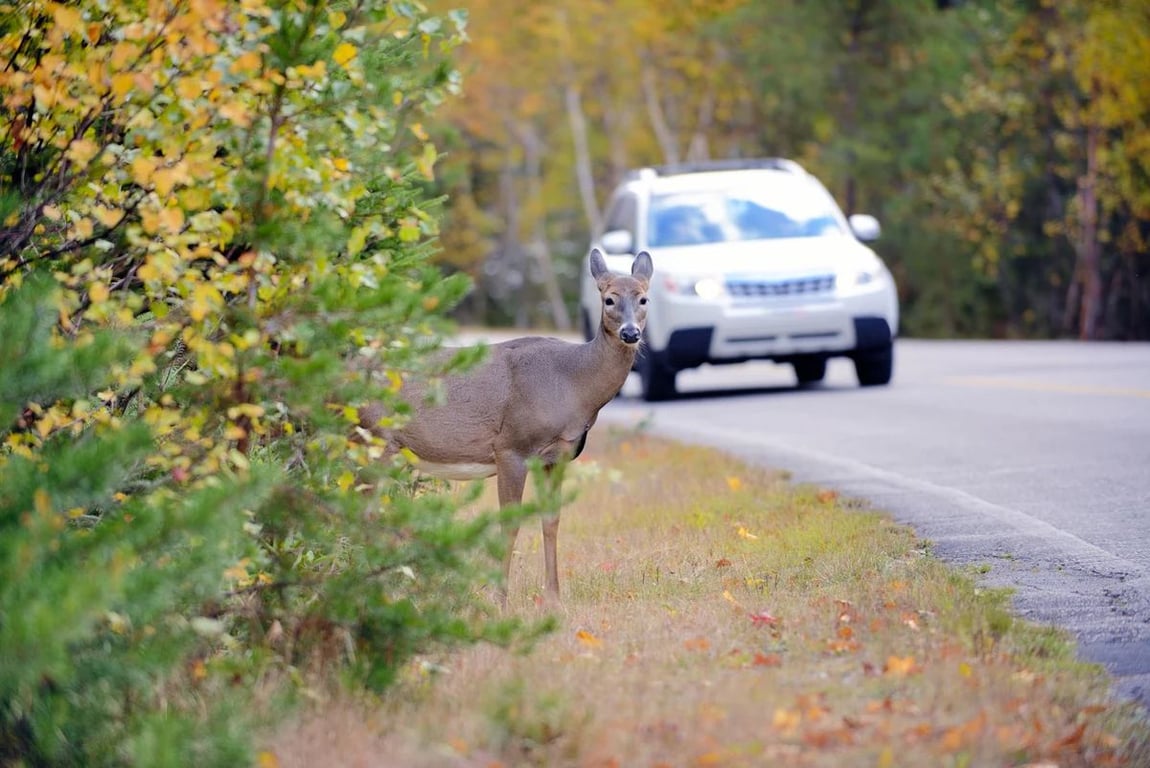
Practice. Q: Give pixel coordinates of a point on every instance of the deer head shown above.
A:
(624, 298)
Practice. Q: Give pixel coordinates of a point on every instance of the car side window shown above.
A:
(621, 215)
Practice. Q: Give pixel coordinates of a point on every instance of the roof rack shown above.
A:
(732, 164)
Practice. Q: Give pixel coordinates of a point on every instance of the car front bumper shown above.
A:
(728, 331)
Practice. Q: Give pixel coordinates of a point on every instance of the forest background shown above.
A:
(1003, 144)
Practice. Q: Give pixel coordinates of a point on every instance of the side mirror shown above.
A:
(866, 228)
(617, 241)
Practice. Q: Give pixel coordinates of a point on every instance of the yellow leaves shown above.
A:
(316, 71)
(122, 84)
(189, 87)
(246, 64)
(109, 217)
(237, 112)
(425, 163)
(66, 18)
(82, 151)
(205, 300)
(168, 220)
(344, 53)
(165, 179)
(98, 293)
(743, 533)
(142, 169)
(735, 484)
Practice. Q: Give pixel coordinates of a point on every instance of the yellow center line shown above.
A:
(1043, 386)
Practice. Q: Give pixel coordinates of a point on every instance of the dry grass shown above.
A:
(715, 616)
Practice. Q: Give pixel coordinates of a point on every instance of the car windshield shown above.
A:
(700, 217)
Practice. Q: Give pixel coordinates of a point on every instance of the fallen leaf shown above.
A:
(745, 534)
(722, 563)
(786, 720)
(697, 644)
(763, 619)
(767, 660)
(900, 666)
(588, 639)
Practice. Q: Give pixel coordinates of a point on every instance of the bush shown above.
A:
(234, 201)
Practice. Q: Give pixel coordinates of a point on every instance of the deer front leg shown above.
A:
(512, 478)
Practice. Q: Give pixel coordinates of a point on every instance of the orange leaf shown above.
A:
(767, 660)
(697, 644)
(786, 719)
(722, 563)
(588, 639)
(900, 666)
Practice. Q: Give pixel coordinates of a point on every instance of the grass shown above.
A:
(714, 615)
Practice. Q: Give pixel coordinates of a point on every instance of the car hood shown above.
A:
(792, 256)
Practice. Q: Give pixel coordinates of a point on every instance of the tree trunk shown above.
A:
(663, 134)
(583, 168)
(1090, 255)
(616, 120)
(512, 271)
(538, 248)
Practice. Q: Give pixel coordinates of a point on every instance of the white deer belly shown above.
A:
(466, 470)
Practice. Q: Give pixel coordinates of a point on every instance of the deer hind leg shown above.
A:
(511, 478)
(553, 498)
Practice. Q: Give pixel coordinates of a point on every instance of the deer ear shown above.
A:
(598, 265)
(643, 268)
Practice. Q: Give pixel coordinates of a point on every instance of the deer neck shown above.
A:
(606, 361)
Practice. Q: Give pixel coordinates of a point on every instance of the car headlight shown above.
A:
(868, 275)
(708, 288)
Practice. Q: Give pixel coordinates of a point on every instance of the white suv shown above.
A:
(753, 260)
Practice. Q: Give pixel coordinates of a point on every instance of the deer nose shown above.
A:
(630, 334)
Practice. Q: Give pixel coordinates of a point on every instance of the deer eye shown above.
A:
(643, 301)
(609, 301)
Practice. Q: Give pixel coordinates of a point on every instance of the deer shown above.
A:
(532, 398)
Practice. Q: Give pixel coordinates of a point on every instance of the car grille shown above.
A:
(797, 286)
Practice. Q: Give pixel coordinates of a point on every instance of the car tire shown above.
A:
(656, 377)
(810, 370)
(875, 366)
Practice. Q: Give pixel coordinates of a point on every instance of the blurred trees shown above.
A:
(1001, 142)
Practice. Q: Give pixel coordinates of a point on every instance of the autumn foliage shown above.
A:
(231, 203)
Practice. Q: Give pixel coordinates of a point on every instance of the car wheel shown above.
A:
(656, 377)
(810, 370)
(874, 367)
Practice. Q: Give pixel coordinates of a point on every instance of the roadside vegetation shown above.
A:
(216, 221)
(716, 615)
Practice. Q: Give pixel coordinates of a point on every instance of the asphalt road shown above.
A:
(1031, 459)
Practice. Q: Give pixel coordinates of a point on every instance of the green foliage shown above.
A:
(233, 203)
(100, 594)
